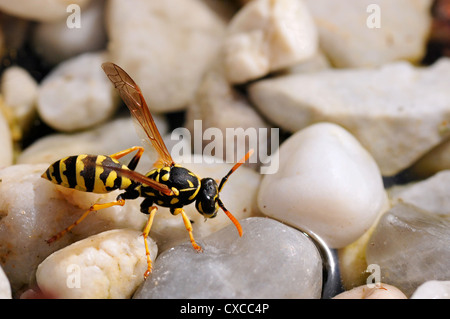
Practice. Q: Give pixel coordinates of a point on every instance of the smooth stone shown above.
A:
(380, 291)
(56, 42)
(326, 183)
(77, 94)
(49, 10)
(5, 288)
(19, 90)
(381, 107)
(265, 36)
(410, 246)
(270, 260)
(433, 289)
(172, 46)
(32, 210)
(350, 37)
(6, 139)
(430, 194)
(109, 265)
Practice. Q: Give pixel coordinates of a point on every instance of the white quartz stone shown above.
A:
(430, 194)
(56, 42)
(268, 35)
(107, 265)
(77, 94)
(111, 137)
(19, 92)
(165, 46)
(45, 10)
(326, 183)
(387, 109)
(215, 97)
(355, 33)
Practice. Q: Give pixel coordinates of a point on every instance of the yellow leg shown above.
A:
(128, 151)
(135, 160)
(94, 207)
(187, 224)
(147, 227)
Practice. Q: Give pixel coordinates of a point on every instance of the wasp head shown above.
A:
(207, 202)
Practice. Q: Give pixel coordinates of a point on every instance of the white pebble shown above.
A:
(430, 194)
(77, 94)
(56, 42)
(49, 10)
(107, 265)
(165, 46)
(215, 96)
(380, 291)
(326, 183)
(433, 289)
(360, 33)
(268, 35)
(19, 91)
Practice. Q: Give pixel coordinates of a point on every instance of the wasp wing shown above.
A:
(131, 94)
(138, 177)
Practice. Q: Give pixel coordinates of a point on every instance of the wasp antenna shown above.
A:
(233, 219)
(235, 167)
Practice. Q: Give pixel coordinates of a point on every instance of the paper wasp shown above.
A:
(168, 185)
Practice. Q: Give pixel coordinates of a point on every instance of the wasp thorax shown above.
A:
(207, 198)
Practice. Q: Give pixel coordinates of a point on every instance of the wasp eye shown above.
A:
(207, 198)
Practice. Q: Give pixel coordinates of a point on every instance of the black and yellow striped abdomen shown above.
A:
(184, 184)
(88, 173)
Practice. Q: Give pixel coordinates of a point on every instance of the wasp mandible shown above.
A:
(167, 185)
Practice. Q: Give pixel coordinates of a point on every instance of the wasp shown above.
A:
(167, 184)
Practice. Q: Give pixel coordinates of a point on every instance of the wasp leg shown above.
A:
(147, 227)
(135, 160)
(187, 224)
(94, 207)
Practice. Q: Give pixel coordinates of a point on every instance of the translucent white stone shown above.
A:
(271, 260)
(410, 246)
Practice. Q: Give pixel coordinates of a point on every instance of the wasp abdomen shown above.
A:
(87, 173)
